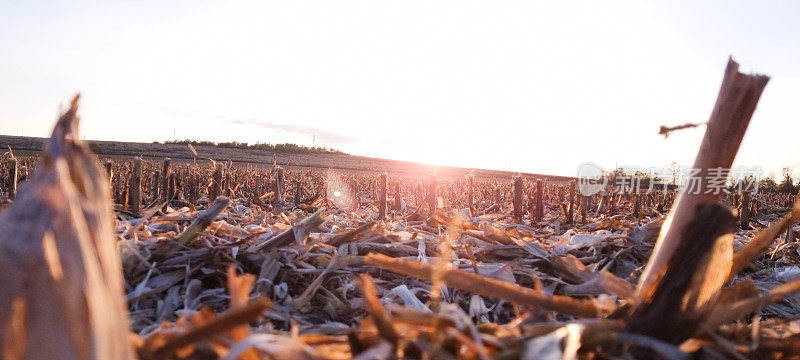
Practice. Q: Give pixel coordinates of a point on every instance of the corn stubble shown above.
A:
(235, 261)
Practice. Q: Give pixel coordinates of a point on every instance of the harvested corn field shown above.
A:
(215, 260)
(448, 179)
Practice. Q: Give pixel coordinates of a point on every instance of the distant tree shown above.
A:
(614, 174)
(768, 184)
(285, 147)
(787, 185)
(675, 169)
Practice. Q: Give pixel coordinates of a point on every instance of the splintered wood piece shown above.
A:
(518, 199)
(744, 214)
(256, 187)
(539, 200)
(61, 277)
(571, 212)
(736, 103)
(382, 200)
(227, 184)
(135, 190)
(665, 130)
(166, 171)
(192, 189)
(156, 186)
(432, 196)
(172, 188)
(298, 231)
(298, 193)
(279, 185)
(216, 183)
(693, 278)
(486, 286)
(203, 221)
(13, 177)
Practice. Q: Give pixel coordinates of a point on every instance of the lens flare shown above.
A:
(341, 193)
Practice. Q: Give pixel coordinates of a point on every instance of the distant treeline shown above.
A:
(285, 147)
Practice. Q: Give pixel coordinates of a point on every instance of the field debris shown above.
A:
(218, 260)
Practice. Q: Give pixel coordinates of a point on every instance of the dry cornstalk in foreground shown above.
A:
(678, 305)
(735, 105)
(677, 287)
(485, 286)
(59, 271)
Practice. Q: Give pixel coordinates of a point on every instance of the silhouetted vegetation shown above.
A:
(767, 185)
(787, 185)
(284, 147)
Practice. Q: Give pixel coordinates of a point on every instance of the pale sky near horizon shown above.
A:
(510, 85)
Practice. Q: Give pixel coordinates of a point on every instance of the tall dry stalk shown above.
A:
(61, 277)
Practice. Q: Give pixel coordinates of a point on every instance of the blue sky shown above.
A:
(512, 85)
